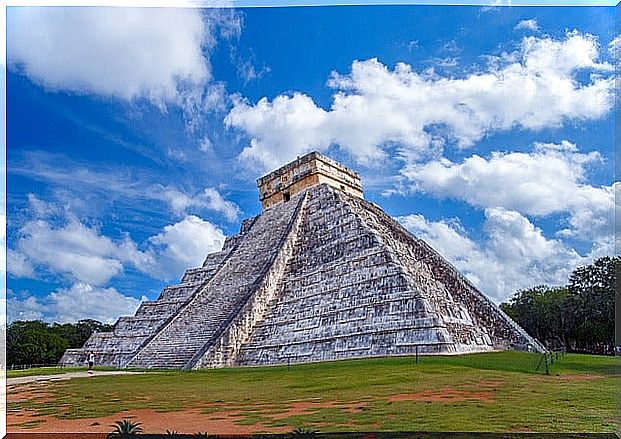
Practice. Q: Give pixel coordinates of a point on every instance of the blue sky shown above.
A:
(135, 136)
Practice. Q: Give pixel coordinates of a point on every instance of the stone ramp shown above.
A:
(475, 323)
(343, 296)
(359, 285)
(130, 333)
(199, 320)
(226, 344)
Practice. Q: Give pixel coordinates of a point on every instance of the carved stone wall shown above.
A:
(323, 276)
(200, 321)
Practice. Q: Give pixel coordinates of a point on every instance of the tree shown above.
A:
(542, 312)
(579, 316)
(36, 342)
(77, 334)
(593, 303)
(33, 343)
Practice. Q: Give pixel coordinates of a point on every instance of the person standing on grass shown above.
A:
(91, 361)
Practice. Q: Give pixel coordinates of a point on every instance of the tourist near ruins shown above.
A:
(321, 274)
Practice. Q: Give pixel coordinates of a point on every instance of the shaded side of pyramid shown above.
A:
(186, 318)
(359, 285)
(320, 274)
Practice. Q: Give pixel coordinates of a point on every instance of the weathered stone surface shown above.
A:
(311, 170)
(323, 276)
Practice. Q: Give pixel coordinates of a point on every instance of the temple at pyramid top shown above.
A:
(310, 170)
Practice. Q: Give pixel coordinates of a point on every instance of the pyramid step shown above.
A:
(336, 279)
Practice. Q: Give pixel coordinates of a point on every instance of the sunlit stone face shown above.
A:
(310, 170)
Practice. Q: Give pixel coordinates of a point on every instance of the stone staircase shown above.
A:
(130, 333)
(212, 308)
(474, 321)
(342, 295)
(323, 276)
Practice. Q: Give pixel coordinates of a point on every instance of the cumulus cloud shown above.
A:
(82, 254)
(417, 113)
(185, 244)
(209, 199)
(614, 47)
(80, 301)
(28, 308)
(75, 250)
(19, 265)
(514, 254)
(527, 25)
(89, 259)
(154, 53)
(550, 179)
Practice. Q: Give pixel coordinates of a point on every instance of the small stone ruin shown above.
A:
(321, 274)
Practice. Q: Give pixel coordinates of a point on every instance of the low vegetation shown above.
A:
(39, 343)
(578, 317)
(498, 392)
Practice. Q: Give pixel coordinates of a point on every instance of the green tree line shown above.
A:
(37, 342)
(578, 317)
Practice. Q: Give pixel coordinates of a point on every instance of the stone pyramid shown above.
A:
(320, 274)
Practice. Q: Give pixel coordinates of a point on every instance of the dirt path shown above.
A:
(229, 419)
(188, 421)
(63, 376)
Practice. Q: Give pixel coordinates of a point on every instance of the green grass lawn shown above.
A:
(49, 371)
(497, 392)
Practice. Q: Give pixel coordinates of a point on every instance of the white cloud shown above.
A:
(80, 301)
(527, 25)
(374, 108)
(24, 309)
(281, 129)
(185, 244)
(83, 255)
(19, 265)
(73, 249)
(205, 144)
(614, 48)
(550, 179)
(129, 53)
(44, 209)
(514, 255)
(494, 6)
(90, 187)
(67, 247)
(209, 198)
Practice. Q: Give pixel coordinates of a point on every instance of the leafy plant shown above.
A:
(579, 316)
(124, 428)
(303, 432)
(37, 342)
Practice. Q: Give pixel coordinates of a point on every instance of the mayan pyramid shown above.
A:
(320, 274)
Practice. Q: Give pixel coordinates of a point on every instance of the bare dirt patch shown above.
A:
(446, 395)
(580, 377)
(225, 420)
(58, 436)
(29, 394)
(305, 407)
(187, 421)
